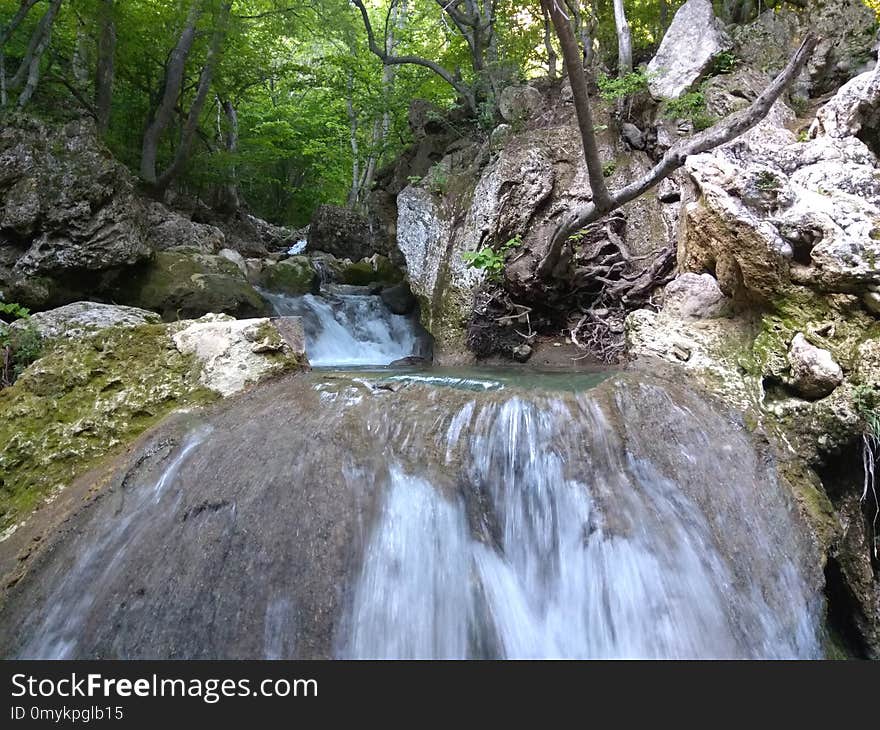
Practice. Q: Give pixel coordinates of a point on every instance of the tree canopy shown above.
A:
(285, 104)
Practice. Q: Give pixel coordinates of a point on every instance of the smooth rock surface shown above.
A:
(80, 319)
(687, 51)
(813, 370)
(694, 295)
(235, 353)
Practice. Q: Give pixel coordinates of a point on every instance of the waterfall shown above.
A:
(346, 327)
(380, 516)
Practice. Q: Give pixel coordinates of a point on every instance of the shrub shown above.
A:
(489, 260)
(692, 107)
(613, 88)
(19, 346)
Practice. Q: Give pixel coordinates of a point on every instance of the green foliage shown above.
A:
(867, 403)
(13, 310)
(767, 182)
(613, 88)
(489, 260)
(608, 169)
(437, 180)
(724, 63)
(19, 346)
(691, 107)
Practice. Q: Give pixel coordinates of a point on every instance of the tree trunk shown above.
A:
(231, 201)
(624, 40)
(13, 24)
(28, 74)
(354, 191)
(173, 81)
(604, 202)
(389, 74)
(552, 58)
(105, 68)
(192, 120)
(80, 63)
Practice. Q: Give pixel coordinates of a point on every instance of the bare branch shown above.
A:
(717, 135)
(392, 60)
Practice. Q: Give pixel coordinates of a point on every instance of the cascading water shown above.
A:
(353, 515)
(347, 327)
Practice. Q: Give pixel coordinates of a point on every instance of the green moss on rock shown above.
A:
(182, 284)
(377, 270)
(83, 401)
(294, 276)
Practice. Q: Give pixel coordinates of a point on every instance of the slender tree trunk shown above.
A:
(80, 61)
(28, 74)
(382, 128)
(192, 120)
(463, 90)
(624, 40)
(173, 82)
(353, 141)
(105, 68)
(552, 58)
(231, 199)
(16, 20)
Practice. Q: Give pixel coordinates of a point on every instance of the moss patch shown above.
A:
(83, 401)
(293, 276)
(186, 284)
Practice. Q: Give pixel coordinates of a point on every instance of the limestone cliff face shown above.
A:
(513, 185)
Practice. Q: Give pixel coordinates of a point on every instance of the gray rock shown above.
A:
(399, 299)
(633, 135)
(181, 283)
(68, 212)
(697, 296)
(522, 353)
(846, 28)
(169, 229)
(236, 258)
(236, 353)
(82, 319)
(344, 233)
(518, 103)
(814, 374)
(687, 51)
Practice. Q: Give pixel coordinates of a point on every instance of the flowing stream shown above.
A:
(433, 514)
(346, 327)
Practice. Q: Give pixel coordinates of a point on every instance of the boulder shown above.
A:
(771, 209)
(519, 103)
(696, 296)
(687, 51)
(814, 373)
(344, 233)
(169, 229)
(68, 212)
(293, 276)
(374, 270)
(236, 258)
(399, 299)
(181, 283)
(82, 319)
(234, 353)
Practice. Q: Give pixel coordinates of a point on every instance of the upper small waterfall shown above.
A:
(347, 327)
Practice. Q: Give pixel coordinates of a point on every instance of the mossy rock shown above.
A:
(294, 276)
(83, 401)
(376, 270)
(184, 284)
